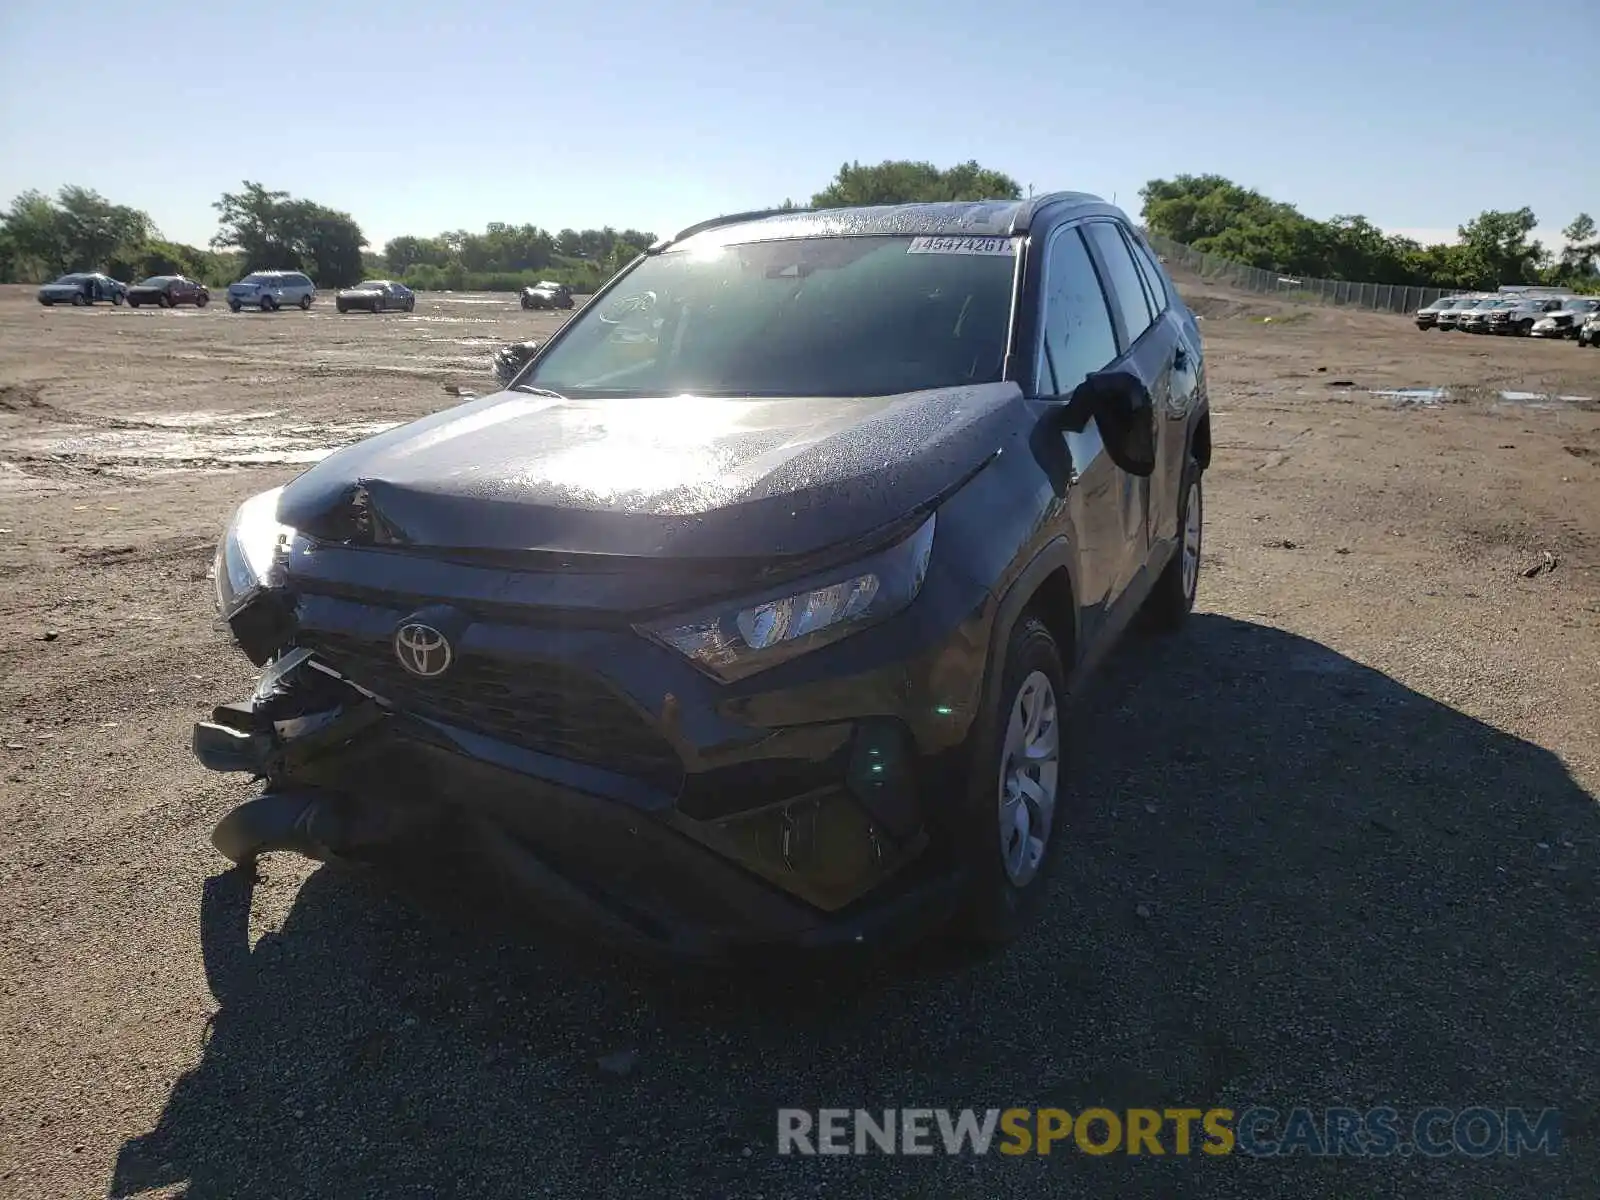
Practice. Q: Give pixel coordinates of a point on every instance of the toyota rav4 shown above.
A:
(750, 612)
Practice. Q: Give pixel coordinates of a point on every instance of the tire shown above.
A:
(341, 306)
(163, 300)
(47, 303)
(526, 303)
(79, 300)
(1172, 599)
(1006, 867)
(202, 300)
(132, 303)
(234, 306)
(378, 306)
(116, 299)
(269, 304)
(411, 304)
(305, 303)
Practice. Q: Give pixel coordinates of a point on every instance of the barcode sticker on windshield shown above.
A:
(962, 245)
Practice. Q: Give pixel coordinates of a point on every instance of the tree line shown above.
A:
(1217, 216)
(259, 228)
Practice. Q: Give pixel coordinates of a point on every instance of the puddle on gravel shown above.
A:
(1403, 397)
(1432, 397)
(162, 444)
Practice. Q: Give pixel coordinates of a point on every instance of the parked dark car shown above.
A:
(547, 295)
(750, 613)
(168, 291)
(81, 289)
(376, 296)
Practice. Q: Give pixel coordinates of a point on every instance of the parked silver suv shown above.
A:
(269, 290)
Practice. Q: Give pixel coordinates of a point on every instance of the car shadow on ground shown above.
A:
(1295, 882)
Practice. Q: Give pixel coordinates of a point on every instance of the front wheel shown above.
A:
(1172, 599)
(46, 303)
(378, 306)
(268, 304)
(132, 303)
(234, 306)
(341, 306)
(1008, 830)
(202, 300)
(116, 298)
(411, 304)
(163, 301)
(79, 300)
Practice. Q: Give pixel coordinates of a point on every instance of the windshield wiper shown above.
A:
(537, 391)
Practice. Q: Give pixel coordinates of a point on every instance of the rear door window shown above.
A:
(1127, 289)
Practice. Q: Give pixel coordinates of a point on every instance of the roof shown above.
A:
(984, 218)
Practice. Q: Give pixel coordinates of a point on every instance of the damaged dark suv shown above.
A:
(749, 613)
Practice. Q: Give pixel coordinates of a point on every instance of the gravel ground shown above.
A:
(1338, 842)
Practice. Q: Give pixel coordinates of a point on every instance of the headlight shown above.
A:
(250, 555)
(737, 641)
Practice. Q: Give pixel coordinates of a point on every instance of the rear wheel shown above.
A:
(1008, 832)
(341, 306)
(1172, 599)
(202, 300)
(305, 303)
(378, 305)
(46, 303)
(116, 298)
(411, 304)
(79, 300)
(163, 300)
(132, 303)
(268, 304)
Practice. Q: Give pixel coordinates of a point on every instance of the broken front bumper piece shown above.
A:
(348, 777)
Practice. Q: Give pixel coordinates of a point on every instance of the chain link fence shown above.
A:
(1382, 297)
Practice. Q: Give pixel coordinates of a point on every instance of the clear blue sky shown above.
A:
(420, 117)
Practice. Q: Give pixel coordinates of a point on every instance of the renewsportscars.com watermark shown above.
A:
(1475, 1132)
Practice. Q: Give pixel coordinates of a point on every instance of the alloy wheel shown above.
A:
(1192, 526)
(1030, 762)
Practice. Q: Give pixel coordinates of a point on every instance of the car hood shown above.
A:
(683, 477)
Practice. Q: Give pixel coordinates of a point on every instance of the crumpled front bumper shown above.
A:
(349, 778)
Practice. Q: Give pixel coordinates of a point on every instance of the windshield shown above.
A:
(374, 283)
(256, 279)
(830, 316)
(1442, 302)
(72, 279)
(157, 281)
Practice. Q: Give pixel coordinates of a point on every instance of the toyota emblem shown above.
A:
(422, 649)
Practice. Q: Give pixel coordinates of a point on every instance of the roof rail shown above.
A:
(1029, 208)
(726, 219)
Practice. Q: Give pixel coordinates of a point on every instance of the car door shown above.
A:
(1183, 391)
(1146, 348)
(1077, 337)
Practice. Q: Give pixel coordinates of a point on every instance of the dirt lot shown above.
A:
(1340, 842)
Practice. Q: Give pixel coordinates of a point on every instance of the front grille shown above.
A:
(541, 706)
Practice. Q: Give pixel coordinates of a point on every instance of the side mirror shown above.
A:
(1122, 407)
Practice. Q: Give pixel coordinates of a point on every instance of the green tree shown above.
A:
(273, 231)
(901, 181)
(1578, 261)
(38, 238)
(253, 222)
(95, 229)
(1500, 241)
